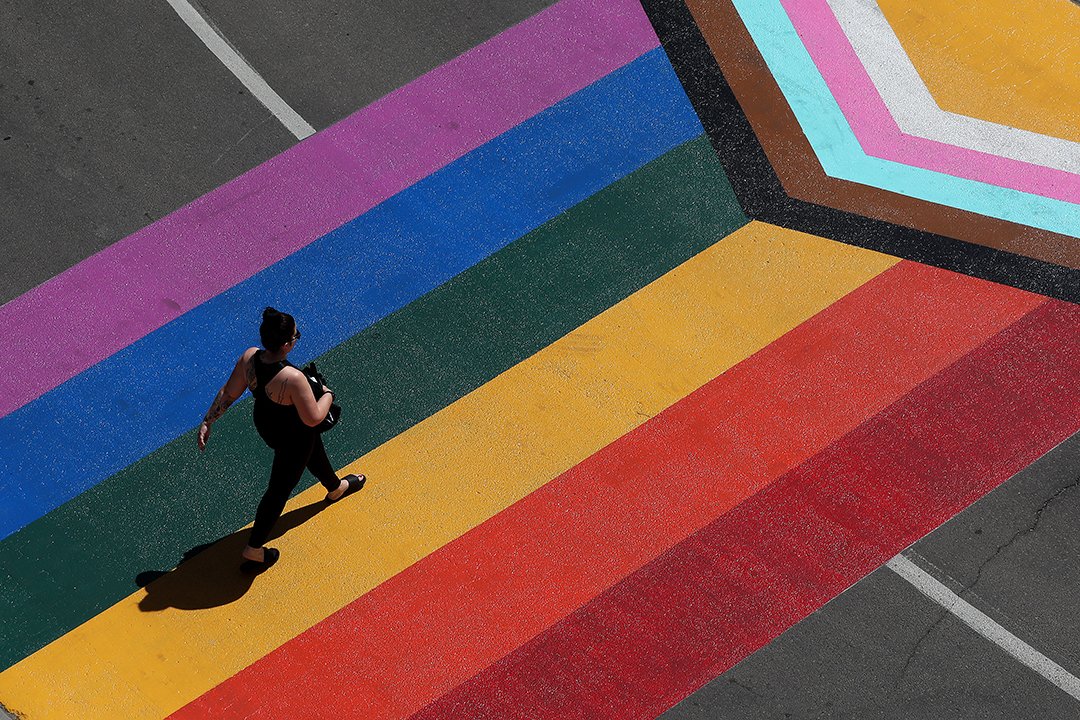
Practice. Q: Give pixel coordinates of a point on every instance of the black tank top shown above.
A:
(274, 421)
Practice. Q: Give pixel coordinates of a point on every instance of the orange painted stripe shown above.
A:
(458, 610)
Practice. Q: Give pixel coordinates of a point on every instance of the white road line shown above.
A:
(984, 625)
(239, 67)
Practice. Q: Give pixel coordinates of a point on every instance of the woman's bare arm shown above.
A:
(229, 393)
(312, 411)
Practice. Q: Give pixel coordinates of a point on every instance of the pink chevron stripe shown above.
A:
(135, 286)
(878, 132)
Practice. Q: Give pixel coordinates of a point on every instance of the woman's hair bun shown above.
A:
(277, 328)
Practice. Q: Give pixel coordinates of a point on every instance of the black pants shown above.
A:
(291, 456)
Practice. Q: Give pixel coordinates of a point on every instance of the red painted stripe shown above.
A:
(463, 607)
(729, 589)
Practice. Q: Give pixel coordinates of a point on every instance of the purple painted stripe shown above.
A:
(135, 286)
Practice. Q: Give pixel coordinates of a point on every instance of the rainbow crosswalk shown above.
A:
(618, 435)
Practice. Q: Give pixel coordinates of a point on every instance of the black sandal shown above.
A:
(254, 567)
(355, 483)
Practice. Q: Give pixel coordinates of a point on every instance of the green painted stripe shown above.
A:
(86, 555)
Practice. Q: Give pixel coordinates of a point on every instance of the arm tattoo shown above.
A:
(221, 404)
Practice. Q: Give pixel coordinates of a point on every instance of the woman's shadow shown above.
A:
(211, 574)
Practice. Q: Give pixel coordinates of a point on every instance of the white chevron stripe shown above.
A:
(917, 113)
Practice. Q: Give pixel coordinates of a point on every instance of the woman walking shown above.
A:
(286, 413)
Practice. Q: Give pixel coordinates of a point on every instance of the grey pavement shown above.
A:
(883, 650)
(327, 58)
(112, 114)
(1015, 554)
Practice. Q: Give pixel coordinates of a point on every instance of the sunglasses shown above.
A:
(296, 336)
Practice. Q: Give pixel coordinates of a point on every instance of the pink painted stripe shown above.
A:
(881, 137)
(135, 286)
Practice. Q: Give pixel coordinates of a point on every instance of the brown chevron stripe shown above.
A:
(803, 178)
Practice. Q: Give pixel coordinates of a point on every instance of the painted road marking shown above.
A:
(603, 519)
(984, 625)
(842, 156)
(242, 69)
(778, 556)
(314, 187)
(481, 323)
(879, 135)
(821, 204)
(397, 252)
(1004, 61)
(536, 290)
(447, 474)
(912, 106)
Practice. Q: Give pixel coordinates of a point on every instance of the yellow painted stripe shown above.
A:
(1012, 62)
(442, 477)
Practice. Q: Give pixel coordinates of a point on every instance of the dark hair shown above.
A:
(277, 328)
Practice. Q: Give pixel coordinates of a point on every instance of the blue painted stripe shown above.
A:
(842, 156)
(149, 393)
